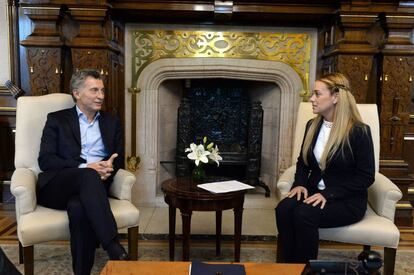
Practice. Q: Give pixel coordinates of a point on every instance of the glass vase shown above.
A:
(198, 174)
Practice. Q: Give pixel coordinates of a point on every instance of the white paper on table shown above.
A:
(224, 186)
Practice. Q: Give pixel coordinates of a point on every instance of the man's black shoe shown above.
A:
(117, 252)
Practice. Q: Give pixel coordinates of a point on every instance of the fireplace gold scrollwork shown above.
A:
(290, 48)
(151, 45)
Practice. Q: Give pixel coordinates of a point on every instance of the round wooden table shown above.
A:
(181, 193)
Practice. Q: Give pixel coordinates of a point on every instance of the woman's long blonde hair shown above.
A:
(345, 116)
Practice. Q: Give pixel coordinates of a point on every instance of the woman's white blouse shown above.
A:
(320, 146)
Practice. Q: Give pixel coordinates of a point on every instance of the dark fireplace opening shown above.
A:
(223, 111)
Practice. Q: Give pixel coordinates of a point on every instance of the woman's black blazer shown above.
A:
(347, 175)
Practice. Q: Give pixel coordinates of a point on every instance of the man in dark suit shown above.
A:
(81, 149)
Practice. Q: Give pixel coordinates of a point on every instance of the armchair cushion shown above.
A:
(46, 224)
(43, 225)
(386, 233)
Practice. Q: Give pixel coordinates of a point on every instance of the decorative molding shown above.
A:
(290, 48)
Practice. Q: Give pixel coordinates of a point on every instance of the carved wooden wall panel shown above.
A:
(395, 103)
(357, 68)
(91, 59)
(44, 70)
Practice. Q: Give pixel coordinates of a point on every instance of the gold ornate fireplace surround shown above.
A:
(151, 45)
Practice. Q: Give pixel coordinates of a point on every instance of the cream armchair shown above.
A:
(37, 224)
(377, 228)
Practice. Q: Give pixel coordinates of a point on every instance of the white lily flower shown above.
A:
(198, 153)
(215, 155)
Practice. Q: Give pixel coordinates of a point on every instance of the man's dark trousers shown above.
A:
(85, 197)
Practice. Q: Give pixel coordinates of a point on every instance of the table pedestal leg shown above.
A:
(171, 232)
(238, 213)
(186, 217)
(218, 233)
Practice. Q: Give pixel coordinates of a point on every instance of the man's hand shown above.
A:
(316, 199)
(110, 161)
(298, 191)
(104, 168)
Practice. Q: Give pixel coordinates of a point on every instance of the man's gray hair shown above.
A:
(78, 79)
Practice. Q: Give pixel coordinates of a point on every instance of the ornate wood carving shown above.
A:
(394, 116)
(90, 58)
(44, 70)
(395, 103)
(358, 69)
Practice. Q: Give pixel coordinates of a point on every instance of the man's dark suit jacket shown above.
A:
(60, 146)
(347, 176)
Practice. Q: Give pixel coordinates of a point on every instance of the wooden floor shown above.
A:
(8, 231)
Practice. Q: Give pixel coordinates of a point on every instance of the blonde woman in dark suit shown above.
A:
(333, 172)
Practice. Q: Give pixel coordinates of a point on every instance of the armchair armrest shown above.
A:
(23, 188)
(122, 185)
(285, 181)
(383, 196)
